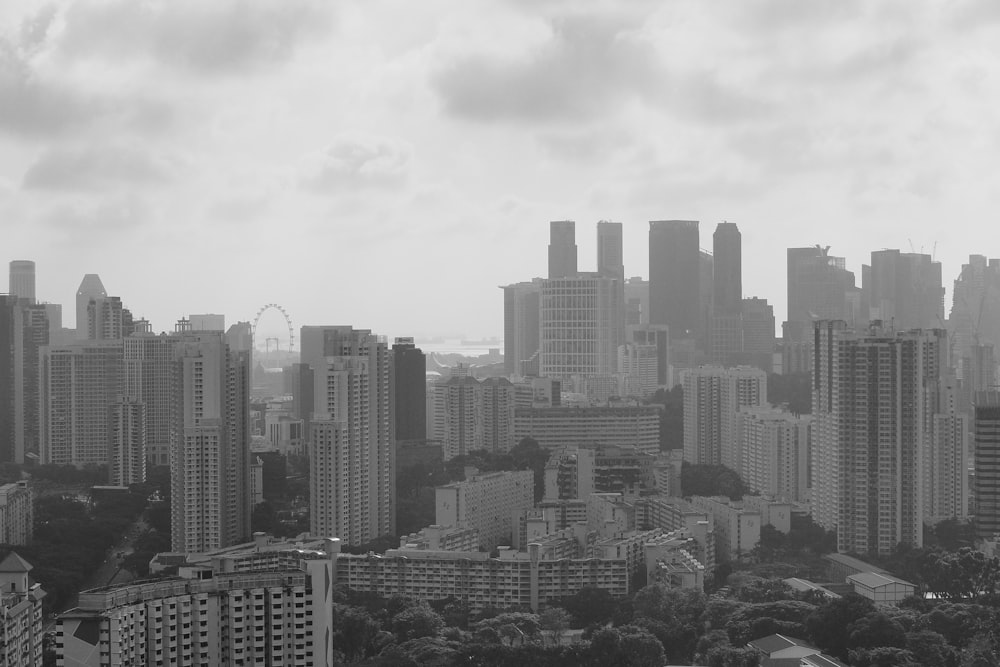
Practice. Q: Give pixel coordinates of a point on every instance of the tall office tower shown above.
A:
(521, 327)
(713, 397)
(609, 250)
(149, 369)
(987, 441)
(582, 325)
(22, 279)
(725, 327)
(819, 288)
(498, 403)
(127, 440)
(77, 385)
(410, 369)
(352, 433)
(636, 301)
(674, 277)
(91, 287)
(8, 307)
(758, 334)
(31, 334)
(458, 415)
(210, 441)
(727, 269)
(775, 448)
(905, 289)
(975, 309)
(874, 397)
(562, 249)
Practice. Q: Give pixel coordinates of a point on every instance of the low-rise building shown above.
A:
(881, 588)
(442, 538)
(737, 529)
(635, 426)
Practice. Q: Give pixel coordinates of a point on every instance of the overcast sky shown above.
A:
(389, 164)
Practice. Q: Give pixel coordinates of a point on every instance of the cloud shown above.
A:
(89, 221)
(222, 36)
(588, 65)
(32, 105)
(357, 163)
(95, 167)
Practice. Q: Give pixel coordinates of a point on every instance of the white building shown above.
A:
(635, 426)
(149, 367)
(270, 604)
(209, 454)
(488, 502)
(713, 397)
(774, 447)
(737, 529)
(79, 382)
(352, 448)
(21, 625)
(127, 440)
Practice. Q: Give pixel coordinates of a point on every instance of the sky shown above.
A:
(389, 164)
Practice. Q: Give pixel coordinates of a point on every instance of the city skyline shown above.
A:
(269, 142)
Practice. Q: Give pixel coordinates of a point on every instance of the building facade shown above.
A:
(559, 427)
(713, 397)
(487, 502)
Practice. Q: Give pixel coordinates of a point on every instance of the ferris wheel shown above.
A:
(288, 321)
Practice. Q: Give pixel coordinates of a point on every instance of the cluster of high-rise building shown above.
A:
(903, 432)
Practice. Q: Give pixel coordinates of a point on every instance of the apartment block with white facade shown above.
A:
(713, 396)
(17, 513)
(488, 502)
(635, 426)
(775, 447)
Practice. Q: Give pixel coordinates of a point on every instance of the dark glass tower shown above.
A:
(410, 367)
(727, 269)
(562, 249)
(674, 282)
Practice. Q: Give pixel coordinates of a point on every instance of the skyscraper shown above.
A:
(22, 279)
(458, 415)
(582, 325)
(562, 249)
(127, 438)
(727, 267)
(31, 335)
(874, 398)
(819, 288)
(905, 289)
(987, 435)
(210, 442)
(79, 382)
(149, 369)
(410, 370)
(609, 250)
(352, 434)
(674, 276)
(521, 327)
(8, 306)
(91, 287)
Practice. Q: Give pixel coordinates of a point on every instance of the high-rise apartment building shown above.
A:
(17, 513)
(559, 427)
(458, 415)
(562, 249)
(91, 287)
(774, 446)
(674, 277)
(31, 334)
(22, 279)
(78, 383)
(499, 402)
(8, 307)
(875, 395)
(149, 369)
(521, 311)
(713, 397)
(352, 433)
(987, 448)
(21, 609)
(210, 443)
(410, 369)
(905, 289)
(127, 442)
(107, 319)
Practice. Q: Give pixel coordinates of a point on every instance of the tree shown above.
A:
(964, 575)
(828, 624)
(354, 632)
(882, 656)
(589, 606)
(703, 479)
(729, 656)
(555, 621)
(528, 455)
(416, 622)
(628, 646)
(931, 648)
(876, 629)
